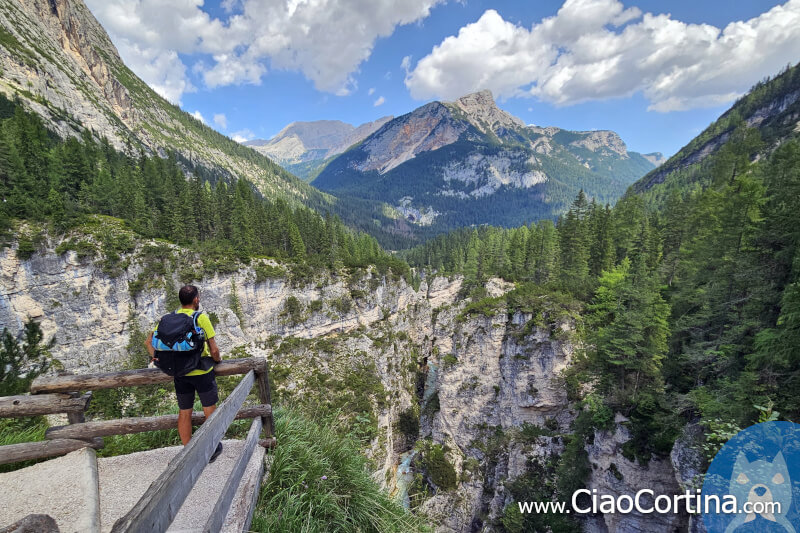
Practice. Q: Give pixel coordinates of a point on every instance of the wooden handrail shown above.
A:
(132, 378)
(125, 426)
(13, 453)
(158, 507)
(42, 404)
(223, 505)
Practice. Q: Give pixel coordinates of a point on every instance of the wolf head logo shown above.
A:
(762, 482)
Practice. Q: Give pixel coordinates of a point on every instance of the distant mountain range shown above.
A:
(442, 166)
(453, 164)
(303, 148)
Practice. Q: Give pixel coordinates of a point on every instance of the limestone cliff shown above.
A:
(476, 382)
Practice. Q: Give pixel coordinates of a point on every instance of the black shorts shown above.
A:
(205, 385)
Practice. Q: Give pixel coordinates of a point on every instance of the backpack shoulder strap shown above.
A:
(195, 316)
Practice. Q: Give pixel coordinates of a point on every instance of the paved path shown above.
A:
(87, 495)
(64, 488)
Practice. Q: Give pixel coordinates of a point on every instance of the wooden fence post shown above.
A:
(265, 397)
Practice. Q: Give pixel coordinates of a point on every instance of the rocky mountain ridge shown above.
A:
(60, 62)
(445, 159)
(474, 382)
(303, 147)
(772, 107)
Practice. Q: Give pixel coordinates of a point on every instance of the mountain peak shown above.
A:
(483, 98)
(483, 112)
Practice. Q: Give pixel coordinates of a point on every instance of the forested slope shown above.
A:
(46, 179)
(692, 312)
(772, 107)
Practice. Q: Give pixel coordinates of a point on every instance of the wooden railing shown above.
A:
(158, 507)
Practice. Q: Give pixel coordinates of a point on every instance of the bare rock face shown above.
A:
(614, 475)
(427, 128)
(482, 111)
(597, 140)
(57, 56)
(487, 174)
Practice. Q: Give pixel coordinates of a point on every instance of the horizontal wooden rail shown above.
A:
(133, 378)
(217, 518)
(159, 505)
(125, 426)
(42, 404)
(25, 451)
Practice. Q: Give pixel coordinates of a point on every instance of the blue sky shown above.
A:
(257, 65)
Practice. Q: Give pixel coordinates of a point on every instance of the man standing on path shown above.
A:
(202, 380)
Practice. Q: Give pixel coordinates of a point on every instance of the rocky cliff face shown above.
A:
(58, 59)
(428, 128)
(473, 381)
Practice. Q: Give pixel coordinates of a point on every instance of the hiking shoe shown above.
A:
(216, 453)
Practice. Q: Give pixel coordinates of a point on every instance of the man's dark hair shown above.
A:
(187, 294)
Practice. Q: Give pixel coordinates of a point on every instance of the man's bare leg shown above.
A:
(185, 425)
(208, 410)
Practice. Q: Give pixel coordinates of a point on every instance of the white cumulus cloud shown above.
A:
(379, 101)
(598, 49)
(243, 135)
(371, 91)
(326, 40)
(221, 120)
(199, 116)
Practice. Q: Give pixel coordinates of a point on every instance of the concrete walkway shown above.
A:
(64, 488)
(87, 495)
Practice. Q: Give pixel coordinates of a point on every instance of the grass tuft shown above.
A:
(319, 482)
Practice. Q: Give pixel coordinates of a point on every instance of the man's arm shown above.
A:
(213, 349)
(149, 345)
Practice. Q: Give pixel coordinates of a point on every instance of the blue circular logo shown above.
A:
(753, 483)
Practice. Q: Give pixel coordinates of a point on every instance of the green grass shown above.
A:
(319, 482)
(16, 431)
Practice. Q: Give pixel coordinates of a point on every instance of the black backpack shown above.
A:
(179, 343)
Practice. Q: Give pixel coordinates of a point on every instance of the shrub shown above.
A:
(292, 310)
(21, 362)
(265, 272)
(26, 247)
(433, 460)
(408, 423)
